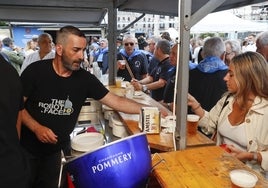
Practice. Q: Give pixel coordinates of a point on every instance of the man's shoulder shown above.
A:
(41, 63)
(196, 71)
(9, 52)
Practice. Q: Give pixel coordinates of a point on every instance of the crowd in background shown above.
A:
(139, 52)
(220, 70)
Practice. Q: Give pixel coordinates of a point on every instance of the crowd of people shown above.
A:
(227, 89)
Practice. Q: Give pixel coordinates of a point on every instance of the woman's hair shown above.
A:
(28, 45)
(235, 46)
(64, 32)
(251, 71)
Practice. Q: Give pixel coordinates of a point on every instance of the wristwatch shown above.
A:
(144, 88)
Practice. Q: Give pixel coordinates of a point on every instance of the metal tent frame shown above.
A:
(91, 12)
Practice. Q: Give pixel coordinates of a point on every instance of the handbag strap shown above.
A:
(225, 103)
(213, 137)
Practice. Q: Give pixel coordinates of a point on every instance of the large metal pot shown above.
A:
(125, 163)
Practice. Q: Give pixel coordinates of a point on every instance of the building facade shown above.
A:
(149, 25)
(154, 25)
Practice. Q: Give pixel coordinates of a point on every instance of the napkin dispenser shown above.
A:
(149, 121)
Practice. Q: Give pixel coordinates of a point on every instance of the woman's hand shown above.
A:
(239, 154)
(192, 102)
(195, 106)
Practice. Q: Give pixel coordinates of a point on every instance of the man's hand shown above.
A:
(45, 135)
(137, 86)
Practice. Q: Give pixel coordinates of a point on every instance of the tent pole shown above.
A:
(182, 73)
(187, 20)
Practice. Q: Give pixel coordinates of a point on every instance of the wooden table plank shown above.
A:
(162, 141)
(207, 167)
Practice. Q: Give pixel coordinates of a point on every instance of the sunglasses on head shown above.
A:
(131, 44)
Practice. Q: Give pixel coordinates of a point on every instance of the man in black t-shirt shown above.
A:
(155, 82)
(14, 167)
(54, 92)
(168, 98)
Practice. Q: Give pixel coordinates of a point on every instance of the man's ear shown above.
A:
(223, 56)
(59, 49)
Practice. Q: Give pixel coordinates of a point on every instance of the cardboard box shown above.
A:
(150, 120)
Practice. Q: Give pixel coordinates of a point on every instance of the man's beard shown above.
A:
(69, 66)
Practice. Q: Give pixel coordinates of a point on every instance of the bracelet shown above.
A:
(255, 156)
(198, 106)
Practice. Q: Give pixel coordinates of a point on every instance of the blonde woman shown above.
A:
(240, 118)
(30, 48)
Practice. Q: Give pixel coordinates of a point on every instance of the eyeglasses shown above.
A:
(127, 44)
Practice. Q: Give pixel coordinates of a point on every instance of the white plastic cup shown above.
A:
(118, 81)
(122, 64)
(171, 123)
(130, 91)
(192, 123)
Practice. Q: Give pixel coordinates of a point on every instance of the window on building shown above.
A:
(171, 25)
(118, 19)
(128, 19)
(149, 25)
(118, 25)
(162, 26)
(162, 16)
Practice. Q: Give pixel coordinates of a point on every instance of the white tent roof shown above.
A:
(225, 21)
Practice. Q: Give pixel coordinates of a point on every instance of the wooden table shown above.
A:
(204, 167)
(162, 141)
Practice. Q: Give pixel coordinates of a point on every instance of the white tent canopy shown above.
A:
(225, 22)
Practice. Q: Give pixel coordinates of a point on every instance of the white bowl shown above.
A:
(86, 142)
(243, 178)
(119, 129)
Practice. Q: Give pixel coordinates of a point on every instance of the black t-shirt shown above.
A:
(160, 71)
(13, 164)
(55, 102)
(169, 89)
(152, 64)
